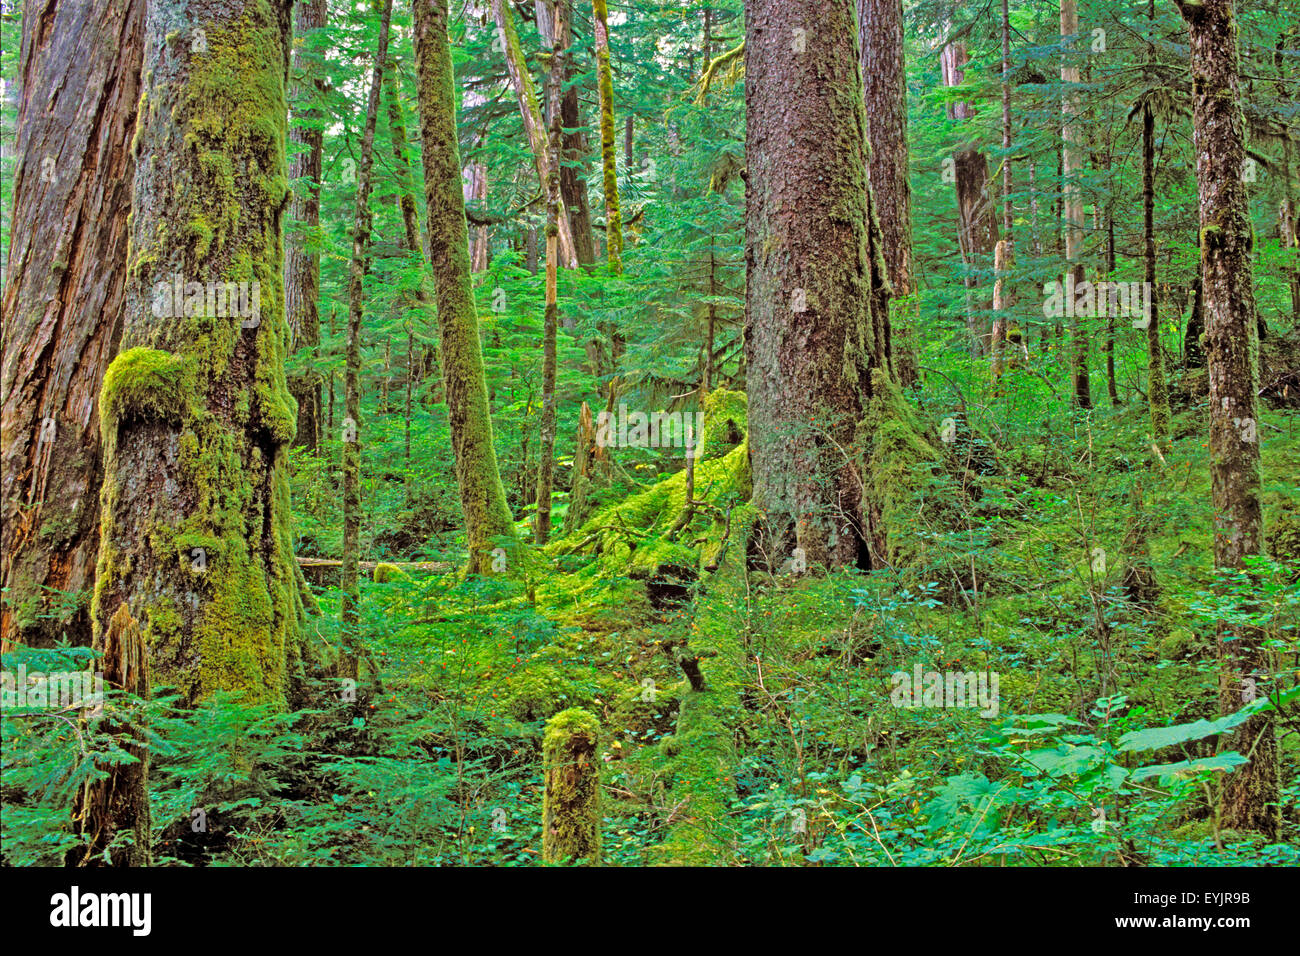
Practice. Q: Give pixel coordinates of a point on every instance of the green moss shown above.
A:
(145, 383)
(389, 574)
(701, 752)
(571, 802)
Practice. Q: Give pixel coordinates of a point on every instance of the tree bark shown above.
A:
(487, 518)
(79, 69)
(884, 81)
(302, 258)
(1248, 799)
(810, 342)
(196, 415)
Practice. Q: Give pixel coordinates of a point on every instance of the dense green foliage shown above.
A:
(1049, 545)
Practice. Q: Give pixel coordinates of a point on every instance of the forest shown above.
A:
(672, 433)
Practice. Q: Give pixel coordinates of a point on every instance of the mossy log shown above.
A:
(571, 802)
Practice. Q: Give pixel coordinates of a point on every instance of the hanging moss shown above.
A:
(571, 802)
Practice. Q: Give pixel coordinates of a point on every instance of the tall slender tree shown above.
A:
(605, 83)
(1072, 193)
(79, 65)
(534, 124)
(361, 220)
(546, 451)
(487, 518)
(977, 224)
(1249, 795)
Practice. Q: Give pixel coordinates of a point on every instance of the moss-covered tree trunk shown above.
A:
(488, 521)
(605, 84)
(811, 344)
(352, 384)
(1248, 799)
(1072, 194)
(571, 799)
(521, 81)
(196, 416)
(301, 255)
(884, 79)
(554, 212)
(62, 304)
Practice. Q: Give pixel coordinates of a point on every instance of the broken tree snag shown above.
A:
(571, 804)
(119, 802)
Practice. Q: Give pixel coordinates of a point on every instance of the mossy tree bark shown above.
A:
(302, 255)
(196, 415)
(605, 84)
(1249, 796)
(80, 73)
(812, 340)
(488, 521)
(884, 79)
(351, 586)
(1072, 193)
(571, 799)
(554, 212)
(534, 126)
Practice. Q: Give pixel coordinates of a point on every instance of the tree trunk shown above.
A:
(120, 801)
(196, 415)
(1072, 194)
(351, 586)
(1157, 387)
(810, 342)
(605, 82)
(526, 94)
(573, 186)
(1248, 799)
(977, 228)
(884, 80)
(546, 449)
(487, 518)
(63, 291)
(301, 259)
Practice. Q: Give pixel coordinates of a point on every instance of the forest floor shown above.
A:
(750, 716)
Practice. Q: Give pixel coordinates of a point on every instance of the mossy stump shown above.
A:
(571, 803)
